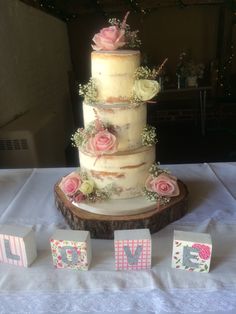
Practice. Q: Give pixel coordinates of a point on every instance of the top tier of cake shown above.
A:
(114, 74)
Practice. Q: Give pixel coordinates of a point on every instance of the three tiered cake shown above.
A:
(118, 175)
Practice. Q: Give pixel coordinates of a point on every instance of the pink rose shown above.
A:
(164, 185)
(103, 142)
(79, 198)
(204, 250)
(109, 38)
(70, 184)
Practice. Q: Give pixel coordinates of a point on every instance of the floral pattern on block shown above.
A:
(78, 249)
(200, 256)
(204, 250)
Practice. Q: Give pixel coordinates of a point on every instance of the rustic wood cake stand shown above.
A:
(103, 226)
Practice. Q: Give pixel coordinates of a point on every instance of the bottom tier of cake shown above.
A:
(102, 226)
(124, 172)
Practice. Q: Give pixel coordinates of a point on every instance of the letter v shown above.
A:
(133, 259)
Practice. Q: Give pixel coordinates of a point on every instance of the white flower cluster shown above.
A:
(145, 90)
(144, 73)
(131, 37)
(149, 136)
(89, 91)
(145, 86)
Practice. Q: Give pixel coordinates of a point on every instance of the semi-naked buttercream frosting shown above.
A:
(117, 173)
(123, 172)
(127, 122)
(113, 72)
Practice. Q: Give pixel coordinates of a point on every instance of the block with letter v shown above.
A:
(132, 249)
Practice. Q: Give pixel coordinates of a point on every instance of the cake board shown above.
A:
(103, 226)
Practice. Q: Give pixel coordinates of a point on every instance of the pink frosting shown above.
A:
(204, 250)
(103, 142)
(164, 185)
(71, 184)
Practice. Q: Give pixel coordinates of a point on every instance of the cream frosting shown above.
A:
(113, 72)
(125, 172)
(128, 122)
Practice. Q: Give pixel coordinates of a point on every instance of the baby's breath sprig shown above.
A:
(78, 138)
(152, 196)
(131, 37)
(82, 135)
(145, 73)
(115, 22)
(98, 195)
(89, 91)
(149, 136)
(135, 101)
(155, 170)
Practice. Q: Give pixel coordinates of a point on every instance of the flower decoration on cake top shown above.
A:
(97, 139)
(160, 185)
(79, 188)
(116, 36)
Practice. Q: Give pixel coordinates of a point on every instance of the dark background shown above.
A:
(206, 29)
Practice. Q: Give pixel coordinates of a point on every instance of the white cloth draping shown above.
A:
(26, 198)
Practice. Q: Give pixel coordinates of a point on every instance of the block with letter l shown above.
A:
(132, 249)
(71, 249)
(192, 251)
(17, 245)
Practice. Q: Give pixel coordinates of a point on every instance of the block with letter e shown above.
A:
(192, 251)
(71, 249)
(17, 245)
(132, 249)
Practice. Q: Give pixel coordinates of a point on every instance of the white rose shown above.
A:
(87, 187)
(146, 89)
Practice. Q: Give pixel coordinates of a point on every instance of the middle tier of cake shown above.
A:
(123, 173)
(126, 122)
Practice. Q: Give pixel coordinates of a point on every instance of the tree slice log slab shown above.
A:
(103, 226)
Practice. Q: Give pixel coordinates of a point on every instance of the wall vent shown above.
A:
(36, 139)
(14, 144)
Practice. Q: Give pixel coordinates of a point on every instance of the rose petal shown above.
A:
(109, 38)
(164, 185)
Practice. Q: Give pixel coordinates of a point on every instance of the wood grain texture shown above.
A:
(103, 226)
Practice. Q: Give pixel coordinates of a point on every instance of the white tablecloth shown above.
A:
(26, 198)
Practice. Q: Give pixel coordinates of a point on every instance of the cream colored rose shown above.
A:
(87, 187)
(146, 89)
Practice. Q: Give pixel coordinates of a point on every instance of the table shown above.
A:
(27, 199)
(196, 95)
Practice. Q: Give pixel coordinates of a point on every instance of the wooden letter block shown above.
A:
(17, 245)
(132, 249)
(191, 251)
(71, 249)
